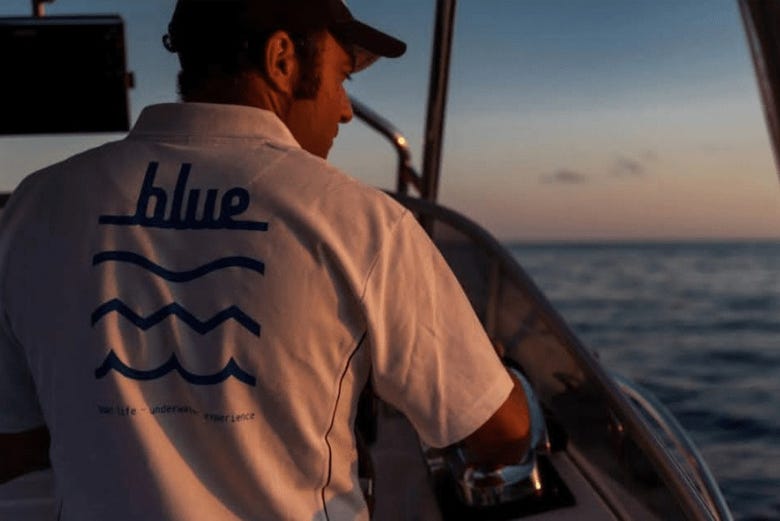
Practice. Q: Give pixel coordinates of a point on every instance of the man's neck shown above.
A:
(250, 90)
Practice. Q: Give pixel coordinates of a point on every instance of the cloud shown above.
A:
(650, 156)
(634, 166)
(564, 176)
(628, 167)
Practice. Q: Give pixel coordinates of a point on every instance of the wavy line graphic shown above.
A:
(180, 276)
(175, 309)
(112, 361)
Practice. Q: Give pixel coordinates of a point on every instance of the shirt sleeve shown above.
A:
(431, 358)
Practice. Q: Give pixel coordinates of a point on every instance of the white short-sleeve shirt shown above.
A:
(194, 310)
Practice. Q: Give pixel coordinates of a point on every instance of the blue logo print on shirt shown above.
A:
(178, 276)
(234, 202)
(181, 216)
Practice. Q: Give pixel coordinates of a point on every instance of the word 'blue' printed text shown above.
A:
(191, 216)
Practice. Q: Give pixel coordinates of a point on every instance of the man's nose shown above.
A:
(346, 111)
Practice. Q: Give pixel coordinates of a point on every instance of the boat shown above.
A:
(603, 447)
(611, 450)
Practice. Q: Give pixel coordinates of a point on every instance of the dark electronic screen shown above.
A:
(63, 74)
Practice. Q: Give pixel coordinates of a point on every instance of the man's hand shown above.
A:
(23, 452)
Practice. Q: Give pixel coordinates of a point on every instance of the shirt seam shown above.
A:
(381, 248)
(393, 231)
(333, 422)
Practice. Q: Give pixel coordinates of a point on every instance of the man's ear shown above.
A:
(281, 62)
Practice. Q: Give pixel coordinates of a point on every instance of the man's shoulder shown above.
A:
(58, 176)
(334, 189)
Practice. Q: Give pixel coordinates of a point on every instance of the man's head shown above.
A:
(288, 56)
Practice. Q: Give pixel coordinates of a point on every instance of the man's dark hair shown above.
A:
(223, 39)
(198, 69)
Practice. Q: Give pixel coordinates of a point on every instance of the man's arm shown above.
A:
(23, 452)
(505, 437)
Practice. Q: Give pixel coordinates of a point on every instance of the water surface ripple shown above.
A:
(698, 324)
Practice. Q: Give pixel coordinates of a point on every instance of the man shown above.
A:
(191, 313)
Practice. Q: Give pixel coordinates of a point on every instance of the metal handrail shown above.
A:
(664, 420)
(406, 174)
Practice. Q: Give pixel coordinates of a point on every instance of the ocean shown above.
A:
(698, 323)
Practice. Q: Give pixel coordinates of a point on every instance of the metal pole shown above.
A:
(437, 97)
(762, 26)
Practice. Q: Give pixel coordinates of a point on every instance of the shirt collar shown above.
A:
(211, 120)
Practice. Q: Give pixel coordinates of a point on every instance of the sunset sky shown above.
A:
(568, 120)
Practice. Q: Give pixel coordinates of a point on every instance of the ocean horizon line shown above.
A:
(634, 242)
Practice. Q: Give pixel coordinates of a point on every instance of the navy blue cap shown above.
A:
(216, 26)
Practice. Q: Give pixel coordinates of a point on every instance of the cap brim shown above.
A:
(367, 44)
